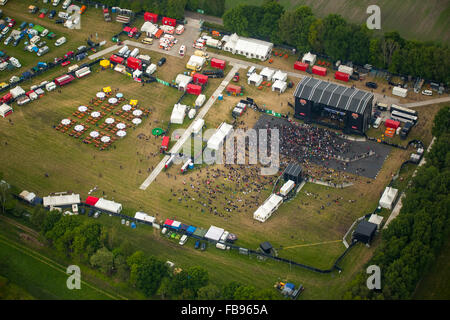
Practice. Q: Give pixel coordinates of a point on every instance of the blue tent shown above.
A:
(133, 225)
(191, 229)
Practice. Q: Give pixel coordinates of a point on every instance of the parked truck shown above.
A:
(106, 15)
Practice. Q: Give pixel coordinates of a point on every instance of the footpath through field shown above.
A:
(189, 130)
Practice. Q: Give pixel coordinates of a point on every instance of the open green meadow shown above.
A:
(418, 20)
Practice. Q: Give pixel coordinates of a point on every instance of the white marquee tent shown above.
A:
(309, 58)
(279, 86)
(214, 233)
(269, 206)
(388, 198)
(251, 48)
(178, 113)
(217, 138)
(144, 217)
(61, 200)
(255, 79)
(108, 205)
(267, 74)
(280, 75)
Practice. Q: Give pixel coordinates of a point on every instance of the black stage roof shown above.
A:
(334, 95)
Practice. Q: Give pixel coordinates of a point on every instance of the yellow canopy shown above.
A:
(106, 89)
(105, 63)
(133, 102)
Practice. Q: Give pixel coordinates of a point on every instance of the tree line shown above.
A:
(88, 242)
(414, 238)
(170, 8)
(338, 39)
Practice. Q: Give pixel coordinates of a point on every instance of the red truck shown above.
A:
(134, 63)
(106, 15)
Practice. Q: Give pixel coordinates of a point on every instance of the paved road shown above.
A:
(104, 52)
(188, 132)
(427, 102)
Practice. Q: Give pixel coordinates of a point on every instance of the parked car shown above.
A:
(52, 14)
(203, 246)
(197, 244)
(161, 61)
(44, 32)
(60, 21)
(60, 41)
(372, 85)
(183, 240)
(5, 30)
(427, 92)
(41, 43)
(11, 23)
(51, 35)
(8, 40)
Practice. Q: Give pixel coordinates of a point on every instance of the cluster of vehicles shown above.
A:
(404, 115)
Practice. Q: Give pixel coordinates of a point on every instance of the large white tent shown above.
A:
(214, 233)
(217, 138)
(196, 61)
(267, 74)
(251, 48)
(108, 205)
(279, 86)
(309, 58)
(144, 217)
(178, 113)
(280, 75)
(255, 79)
(5, 110)
(269, 206)
(182, 81)
(149, 28)
(388, 198)
(17, 92)
(61, 200)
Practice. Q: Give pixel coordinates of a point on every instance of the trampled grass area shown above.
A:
(416, 20)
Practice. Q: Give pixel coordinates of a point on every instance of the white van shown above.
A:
(427, 92)
(66, 4)
(42, 51)
(377, 122)
(63, 15)
(134, 53)
(250, 71)
(35, 39)
(55, 2)
(221, 246)
(44, 33)
(60, 41)
(183, 240)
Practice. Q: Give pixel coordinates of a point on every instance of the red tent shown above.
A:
(389, 123)
(91, 200)
(233, 88)
(168, 222)
(152, 17)
(342, 76)
(217, 63)
(165, 143)
(193, 89)
(298, 65)
(200, 78)
(169, 21)
(116, 59)
(320, 71)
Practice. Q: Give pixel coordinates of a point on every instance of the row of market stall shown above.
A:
(278, 77)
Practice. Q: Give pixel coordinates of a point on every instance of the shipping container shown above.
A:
(320, 71)
(217, 63)
(152, 17)
(134, 63)
(193, 89)
(200, 78)
(116, 59)
(341, 76)
(169, 21)
(298, 65)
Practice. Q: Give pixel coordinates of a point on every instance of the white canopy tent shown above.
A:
(196, 61)
(376, 219)
(200, 100)
(178, 113)
(309, 58)
(388, 198)
(280, 75)
(255, 79)
(27, 196)
(345, 69)
(61, 200)
(182, 81)
(17, 92)
(214, 233)
(144, 217)
(108, 205)
(279, 86)
(267, 74)
(217, 138)
(269, 206)
(149, 28)
(198, 125)
(251, 48)
(5, 110)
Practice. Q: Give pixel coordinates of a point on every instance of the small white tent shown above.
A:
(200, 100)
(217, 138)
(267, 74)
(255, 79)
(376, 219)
(280, 75)
(178, 113)
(198, 125)
(388, 198)
(309, 58)
(214, 233)
(5, 110)
(17, 92)
(279, 86)
(182, 81)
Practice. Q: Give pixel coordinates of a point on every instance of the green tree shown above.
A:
(103, 259)
(209, 292)
(294, 28)
(235, 19)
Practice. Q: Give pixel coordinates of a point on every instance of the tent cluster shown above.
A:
(267, 74)
(251, 48)
(104, 204)
(269, 206)
(178, 113)
(213, 233)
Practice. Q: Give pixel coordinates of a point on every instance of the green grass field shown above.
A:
(415, 20)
